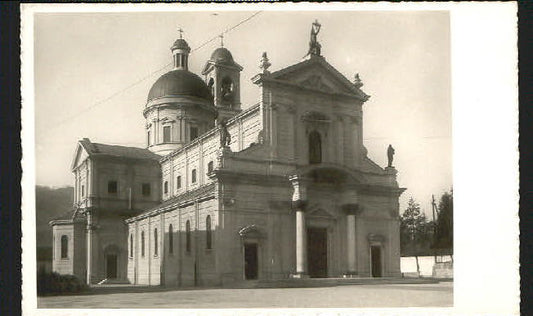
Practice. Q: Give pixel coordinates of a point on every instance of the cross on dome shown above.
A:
(180, 30)
(221, 40)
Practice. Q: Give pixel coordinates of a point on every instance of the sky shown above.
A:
(93, 71)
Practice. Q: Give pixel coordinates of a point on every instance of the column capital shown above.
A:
(299, 205)
(299, 184)
(351, 209)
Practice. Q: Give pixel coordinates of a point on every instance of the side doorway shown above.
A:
(251, 262)
(376, 262)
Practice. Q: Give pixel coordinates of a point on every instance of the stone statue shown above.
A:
(390, 155)
(225, 137)
(314, 45)
(265, 63)
(358, 83)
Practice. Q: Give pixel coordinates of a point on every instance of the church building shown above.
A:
(224, 193)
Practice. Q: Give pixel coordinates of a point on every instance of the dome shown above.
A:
(180, 82)
(222, 55)
(180, 43)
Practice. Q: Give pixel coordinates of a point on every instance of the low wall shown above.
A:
(443, 268)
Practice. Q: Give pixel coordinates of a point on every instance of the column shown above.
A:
(301, 242)
(90, 228)
(351, 211)
(299, 202)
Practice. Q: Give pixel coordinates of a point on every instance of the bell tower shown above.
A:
(222, 75)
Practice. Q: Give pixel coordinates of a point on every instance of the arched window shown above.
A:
(211, 85)
(165, 187)
(226, 89)
(131, 245)
(315, 148)
(208, 232)
(64, 247)
(193, 176)
(156, 243)
(209, 167)
(188, 236)
(142, 244)
(170, 239)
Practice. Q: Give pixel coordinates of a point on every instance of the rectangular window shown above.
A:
(148, 140)
(146, 189)
(82, 190)
(165, 187)
(166, 134)
(64, 247)
(112, 187)
(193, 132)
(178, 182)
(210, 167)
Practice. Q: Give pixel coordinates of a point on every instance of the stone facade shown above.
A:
(293, 194)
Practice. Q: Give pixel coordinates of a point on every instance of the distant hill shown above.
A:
(50, 203)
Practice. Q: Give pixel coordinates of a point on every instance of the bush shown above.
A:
(55, 283)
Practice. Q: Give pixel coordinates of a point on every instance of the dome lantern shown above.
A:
(180, 51)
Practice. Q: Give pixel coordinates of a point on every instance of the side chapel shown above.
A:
(282, 189)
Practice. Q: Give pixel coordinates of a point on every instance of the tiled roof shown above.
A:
(94, 149)
(64, 216)
(200, 192)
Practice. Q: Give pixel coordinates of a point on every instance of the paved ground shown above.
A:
(346, 296)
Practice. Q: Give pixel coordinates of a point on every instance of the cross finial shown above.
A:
(181, 32)
(221, 40)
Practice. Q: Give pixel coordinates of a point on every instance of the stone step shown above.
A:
(325, 282)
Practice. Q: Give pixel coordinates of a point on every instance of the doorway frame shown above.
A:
(243, 257)
(107, 265)
(113, 249)
(382, 258)
(329, 223)
(328, 248)
(257, 245)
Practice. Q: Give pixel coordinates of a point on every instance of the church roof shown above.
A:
(95, 149)
(179, 82)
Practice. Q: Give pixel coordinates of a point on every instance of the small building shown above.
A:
(281, 189)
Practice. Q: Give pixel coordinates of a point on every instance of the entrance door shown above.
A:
(250, 261)
(111, 267)
(317, 252)
(375, 254)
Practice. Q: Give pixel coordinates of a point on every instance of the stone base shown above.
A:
(299, 276)
(350, 275)
(391, 170)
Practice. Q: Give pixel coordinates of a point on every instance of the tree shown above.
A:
(415, 232)
(444, 230)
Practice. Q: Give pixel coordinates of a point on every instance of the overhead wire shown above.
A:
(97, 103)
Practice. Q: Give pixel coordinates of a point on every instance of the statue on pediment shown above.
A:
(390, 155)
(314, 45)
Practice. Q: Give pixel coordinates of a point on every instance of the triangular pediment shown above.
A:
(317, 211)
(318, 75)
(80, 155)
